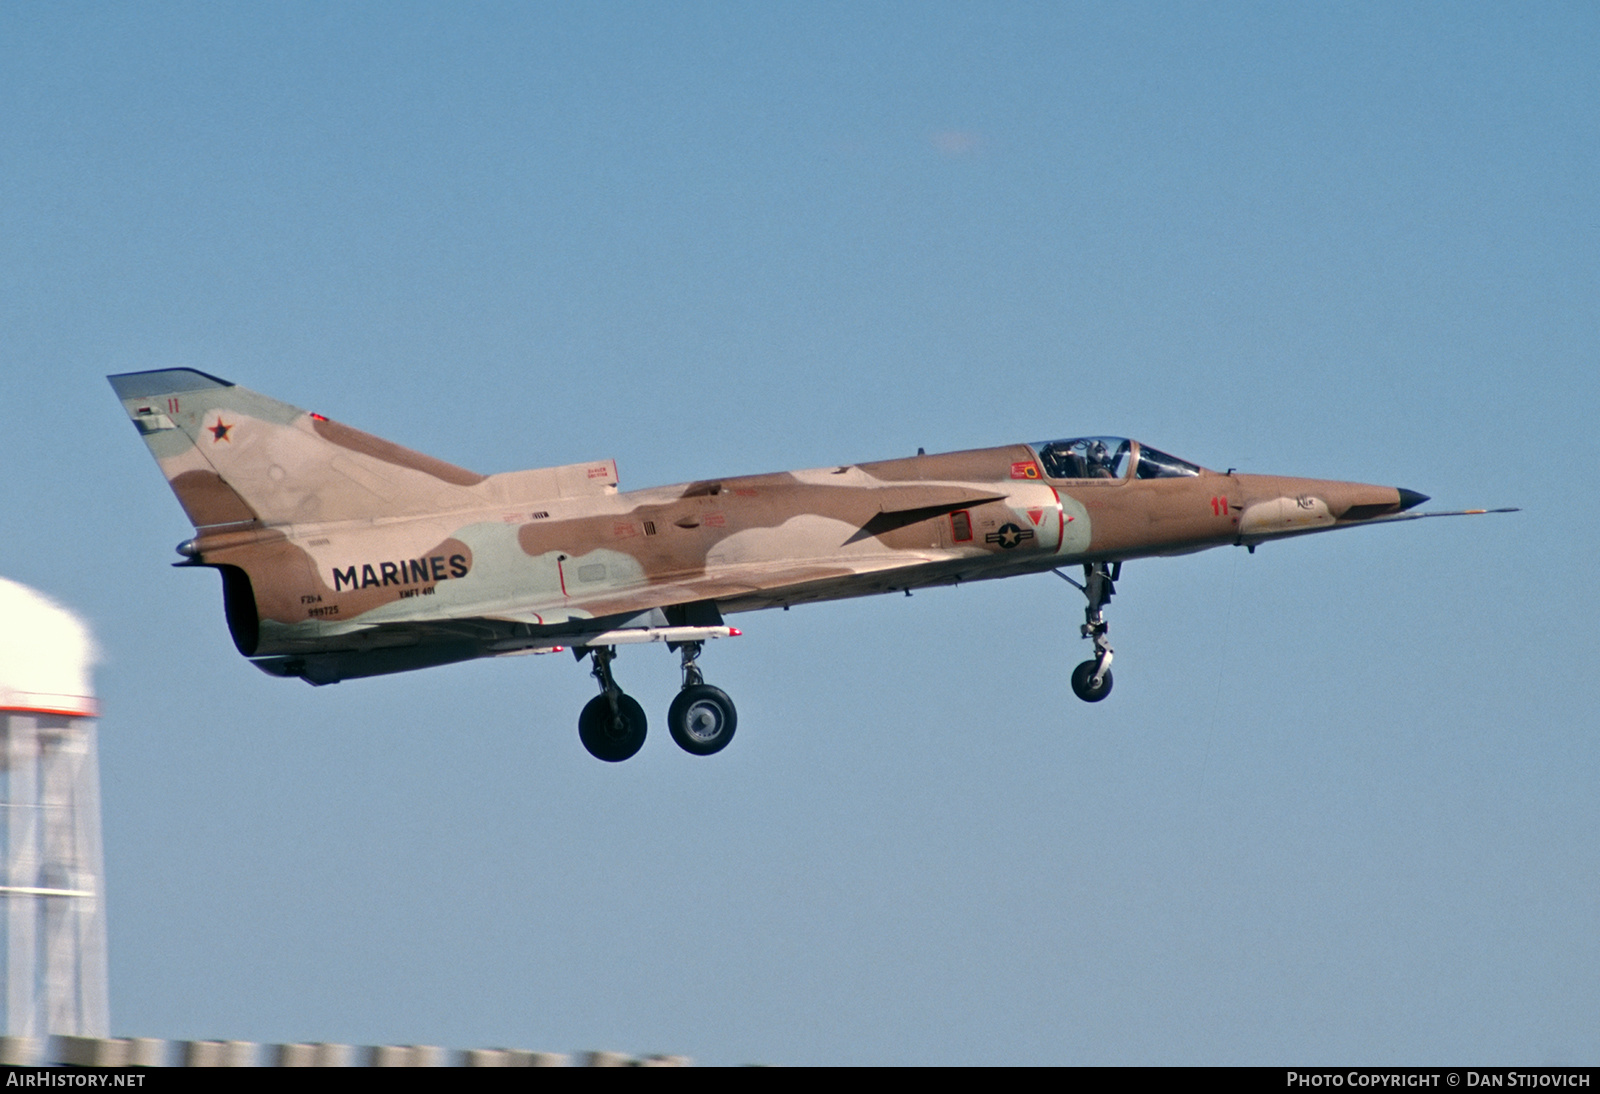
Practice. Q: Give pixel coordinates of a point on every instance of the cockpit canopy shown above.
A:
(1085, 458)
(1109, 458)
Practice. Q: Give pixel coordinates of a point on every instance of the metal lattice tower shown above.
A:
(52, 891)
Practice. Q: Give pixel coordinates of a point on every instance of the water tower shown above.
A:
(51, 894)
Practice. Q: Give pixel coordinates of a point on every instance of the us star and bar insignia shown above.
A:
(1008, 536)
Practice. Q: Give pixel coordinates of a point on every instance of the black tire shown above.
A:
(608, 740)
(702, 719)
(1083, 683)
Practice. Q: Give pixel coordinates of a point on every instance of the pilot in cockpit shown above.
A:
(1099, 460)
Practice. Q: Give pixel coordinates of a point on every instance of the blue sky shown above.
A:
(1341, 806)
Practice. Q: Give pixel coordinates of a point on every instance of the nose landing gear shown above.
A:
(1091, 681)
(702, 718)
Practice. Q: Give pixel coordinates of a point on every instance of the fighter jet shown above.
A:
(343, 555)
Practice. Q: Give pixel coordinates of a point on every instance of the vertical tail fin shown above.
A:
(238, 459)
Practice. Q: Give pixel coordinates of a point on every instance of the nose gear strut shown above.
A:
(1091, 681)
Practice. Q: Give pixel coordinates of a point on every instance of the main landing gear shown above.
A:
(701, 718)
(1091, 681)
(612, 726)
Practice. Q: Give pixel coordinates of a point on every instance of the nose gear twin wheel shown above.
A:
(702, 719)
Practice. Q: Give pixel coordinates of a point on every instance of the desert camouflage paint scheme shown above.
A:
(344, 555)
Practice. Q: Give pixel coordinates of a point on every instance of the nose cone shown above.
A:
(1410, 499)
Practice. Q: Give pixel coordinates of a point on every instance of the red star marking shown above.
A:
(219, 432)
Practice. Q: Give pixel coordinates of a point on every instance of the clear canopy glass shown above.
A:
(1085, 457)
(1108, 458)
(1158, 465)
